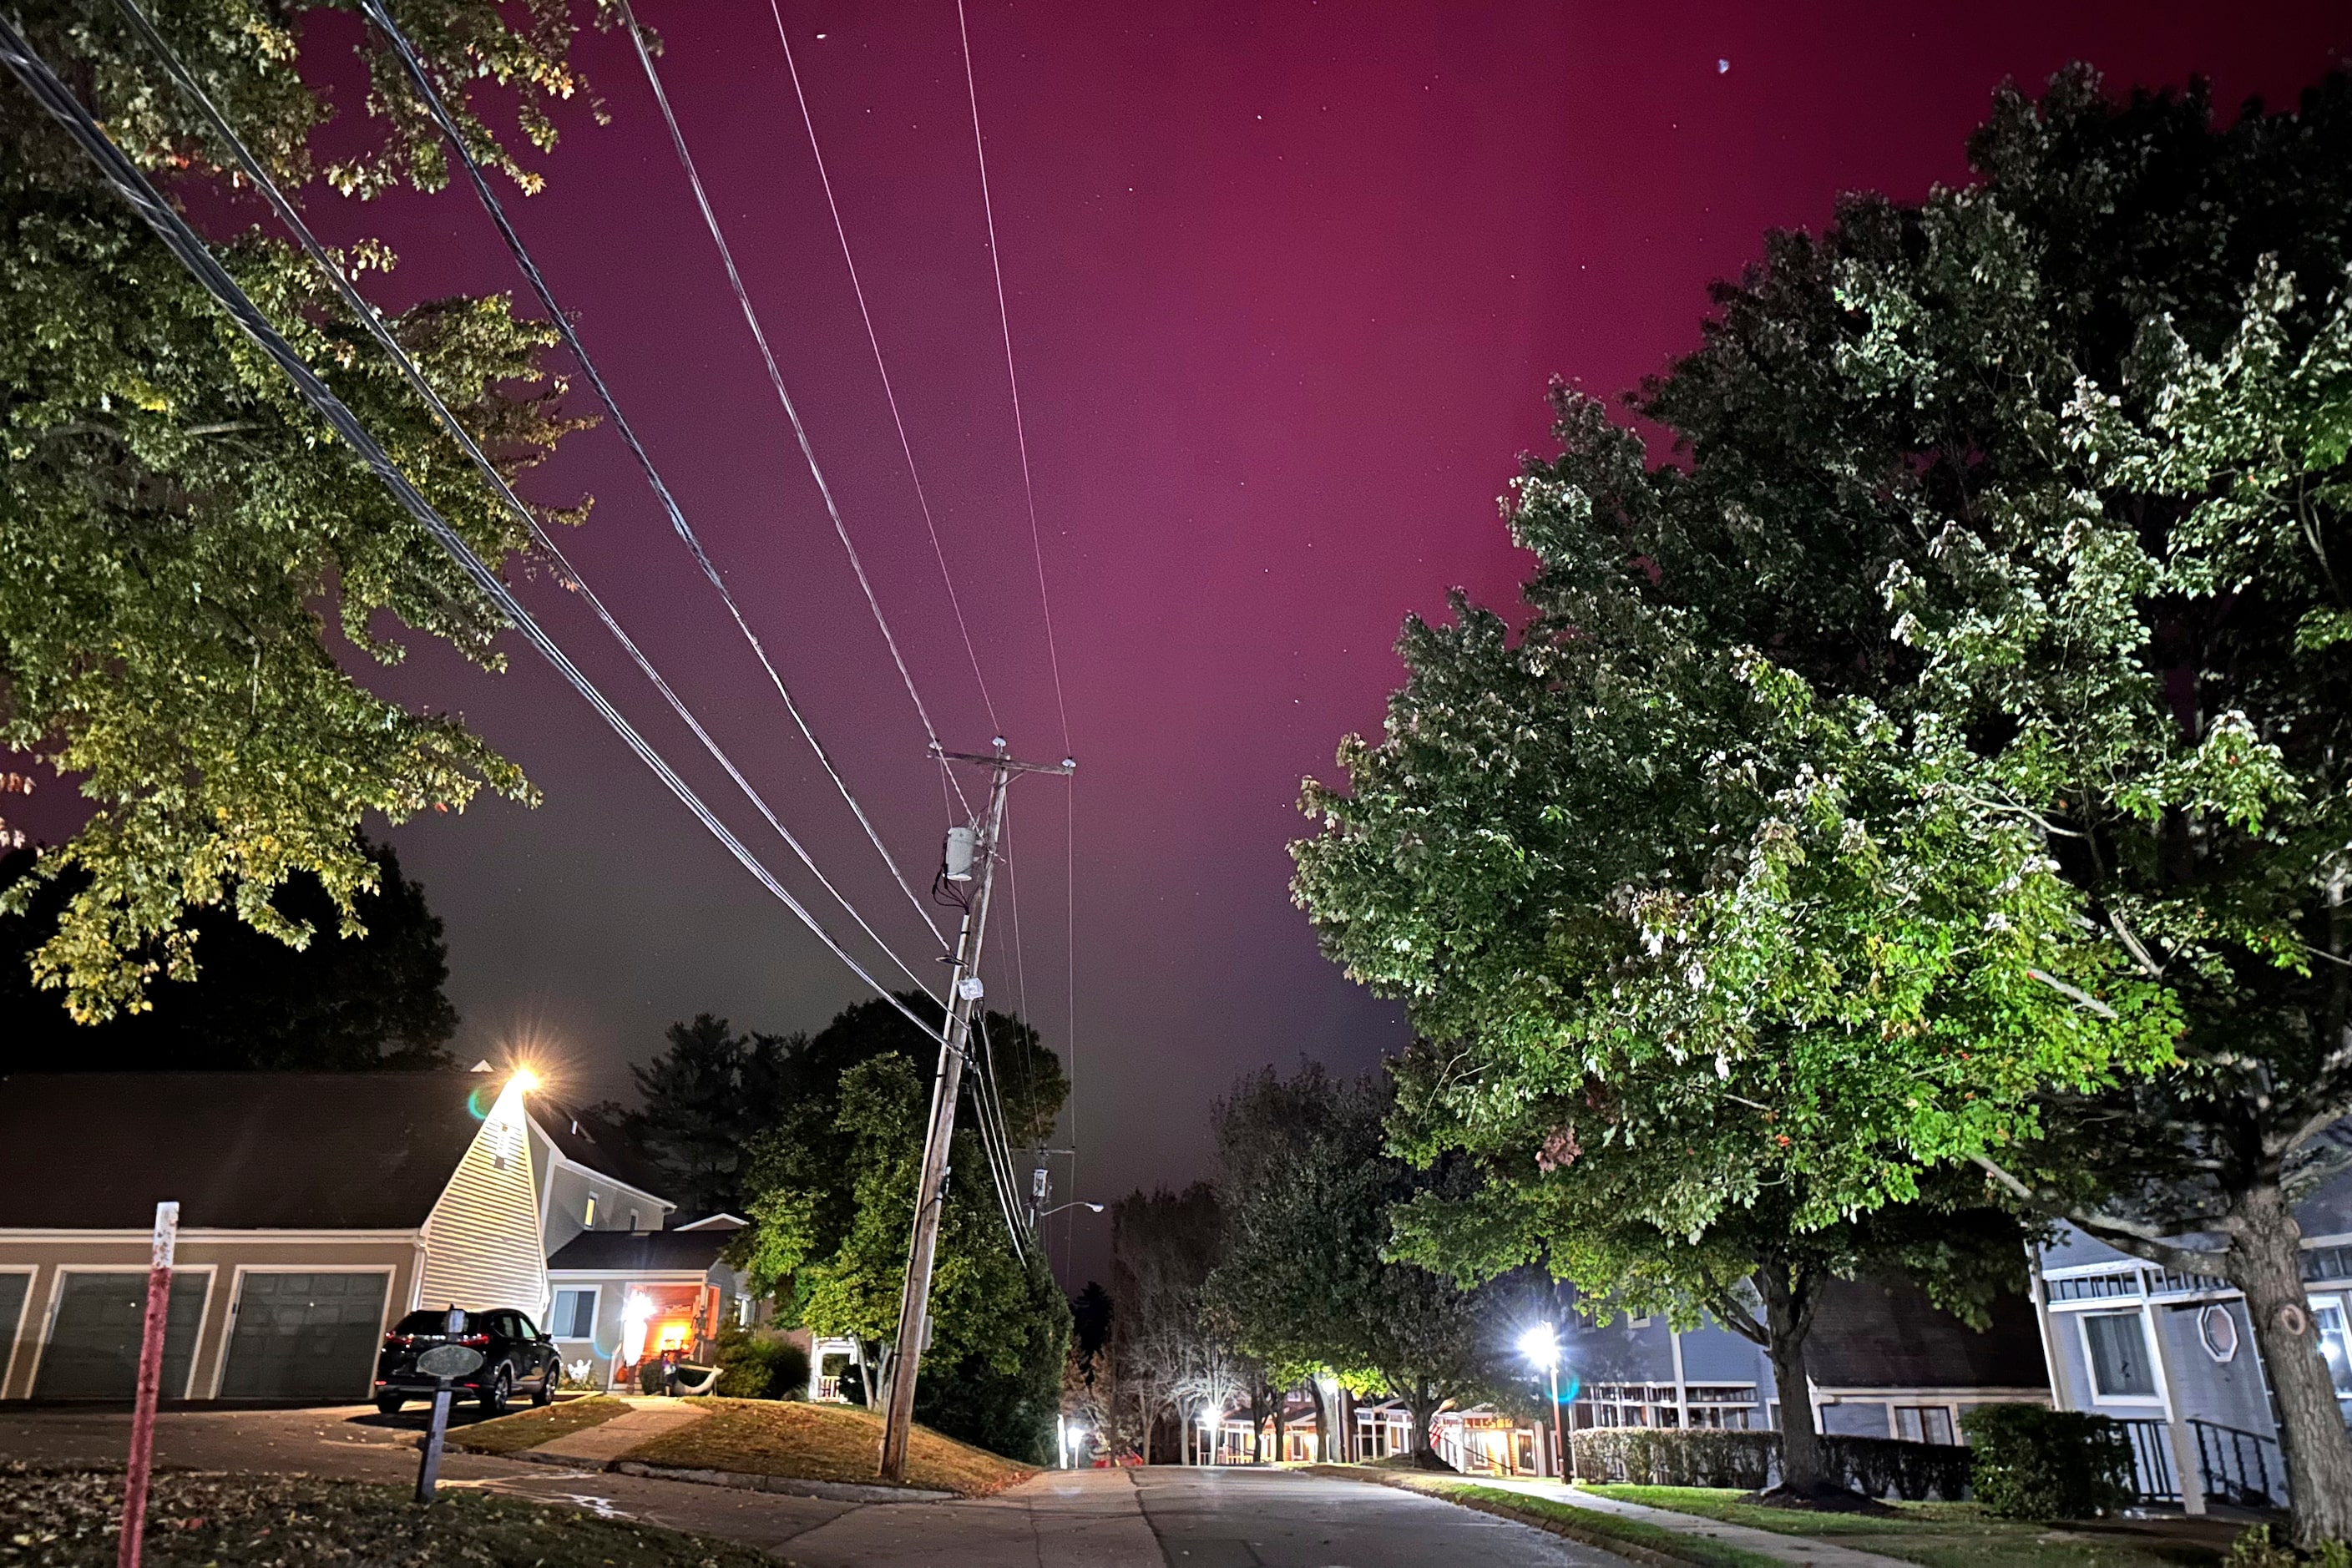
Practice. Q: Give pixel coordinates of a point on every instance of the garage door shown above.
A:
(93, 1349)
(305, 1336)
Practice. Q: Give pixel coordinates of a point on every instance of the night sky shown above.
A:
(1287, 283)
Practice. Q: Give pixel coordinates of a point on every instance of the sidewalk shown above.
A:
(609, 1440)
(1793, 1549)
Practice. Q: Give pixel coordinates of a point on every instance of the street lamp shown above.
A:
(1057, 1208)
(1541, 1346)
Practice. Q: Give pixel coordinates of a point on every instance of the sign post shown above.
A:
(151, 1384)
(442, 1362)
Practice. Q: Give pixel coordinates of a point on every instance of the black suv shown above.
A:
(515, 1355)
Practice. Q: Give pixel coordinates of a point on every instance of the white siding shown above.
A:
(482, 1242)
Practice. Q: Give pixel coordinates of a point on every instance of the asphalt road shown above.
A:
(1158, 1518)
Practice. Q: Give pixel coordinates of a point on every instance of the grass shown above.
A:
(822, 1443)
(530, 1428)
(1940, 1535)
(60, 1517)
(1602, 1527)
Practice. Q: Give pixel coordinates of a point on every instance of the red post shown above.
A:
(150, 1383)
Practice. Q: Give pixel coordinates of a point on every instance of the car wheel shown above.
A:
(498, 1391)
(388, 1406)
(545, 1393)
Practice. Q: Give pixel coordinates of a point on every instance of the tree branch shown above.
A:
(2123, 1234)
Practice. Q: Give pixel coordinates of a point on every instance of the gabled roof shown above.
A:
(575, 1137)
(266, 1150)
(640, 1251)
(1873, 1334)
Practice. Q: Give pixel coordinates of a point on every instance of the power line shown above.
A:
(1012, 377)
(775, 376)
(1044, 601)
(372, 319)
(874, 341)
(442, 118)
(185, 244)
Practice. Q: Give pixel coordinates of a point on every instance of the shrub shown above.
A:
(758, 1364)
(2255, 1549)
(1877, 1467)
(1669, 1456)
(2032, 1462)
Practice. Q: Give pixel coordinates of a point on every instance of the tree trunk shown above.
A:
(1421, 1403)
(1322, 1428)
(2265, 1262)
(1788, 1320)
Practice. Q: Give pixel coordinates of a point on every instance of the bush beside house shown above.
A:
(2032, 1462)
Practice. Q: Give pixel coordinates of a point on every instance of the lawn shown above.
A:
(530, 1428)
(822, 1443)
(1597, 1528)
(58, 1517)
(1947, 1535)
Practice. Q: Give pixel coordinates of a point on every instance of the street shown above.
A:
(1158, 1518)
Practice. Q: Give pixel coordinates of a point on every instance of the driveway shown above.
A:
(1158, 1518)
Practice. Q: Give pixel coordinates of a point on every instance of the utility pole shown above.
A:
(963, 994)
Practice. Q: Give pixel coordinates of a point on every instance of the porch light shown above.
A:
(636, 1314)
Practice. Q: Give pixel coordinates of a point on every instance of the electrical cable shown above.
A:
(185, 244)
(775, 376)
(369, 317)
(431, 96)
(1012, 376)
(999, 1151)
(841, 231)
(1045, 602)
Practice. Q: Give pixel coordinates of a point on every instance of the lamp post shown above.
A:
(1541, 1346)
(1081, 1204)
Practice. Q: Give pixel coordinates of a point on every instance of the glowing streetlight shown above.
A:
(525, 1079)
(1540, 1345)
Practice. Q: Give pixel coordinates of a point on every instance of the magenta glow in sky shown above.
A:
(1287, 283)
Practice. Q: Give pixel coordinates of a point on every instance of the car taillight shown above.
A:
(395, 1339)
(475, 1340)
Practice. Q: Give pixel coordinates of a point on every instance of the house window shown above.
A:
(2119, 1363)
(589, 1220)
(575, 1316)
(1923, 1422)
(743, 1312)
(2335, 1344)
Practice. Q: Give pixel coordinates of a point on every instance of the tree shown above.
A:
(702, 1104)
(1307, 1279)
(832, 1197)
(1997, 542)
(342, 1004)
(1165, 1338)
(177, 527)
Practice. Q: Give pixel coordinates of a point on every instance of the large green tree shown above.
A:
(178, 529)
(832, 1201)
(1999, 568)
(340, 1004)
(1307, 1279)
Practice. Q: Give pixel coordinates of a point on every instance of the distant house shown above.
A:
(2174, 1356)
(1887, 1363)
(618, 1298)
(315, 1208)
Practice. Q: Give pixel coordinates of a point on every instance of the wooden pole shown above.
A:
(150, 1384)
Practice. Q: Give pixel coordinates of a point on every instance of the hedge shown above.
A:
(2033, 1462)
(1750, 1461)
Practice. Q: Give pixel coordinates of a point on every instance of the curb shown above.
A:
(792, 1486)
(1633, 1552)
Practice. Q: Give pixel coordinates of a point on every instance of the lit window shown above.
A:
(2333, 1342)
(590, 1221)
(2119, 1364)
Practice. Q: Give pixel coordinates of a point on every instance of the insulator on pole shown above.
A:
(960, 846)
